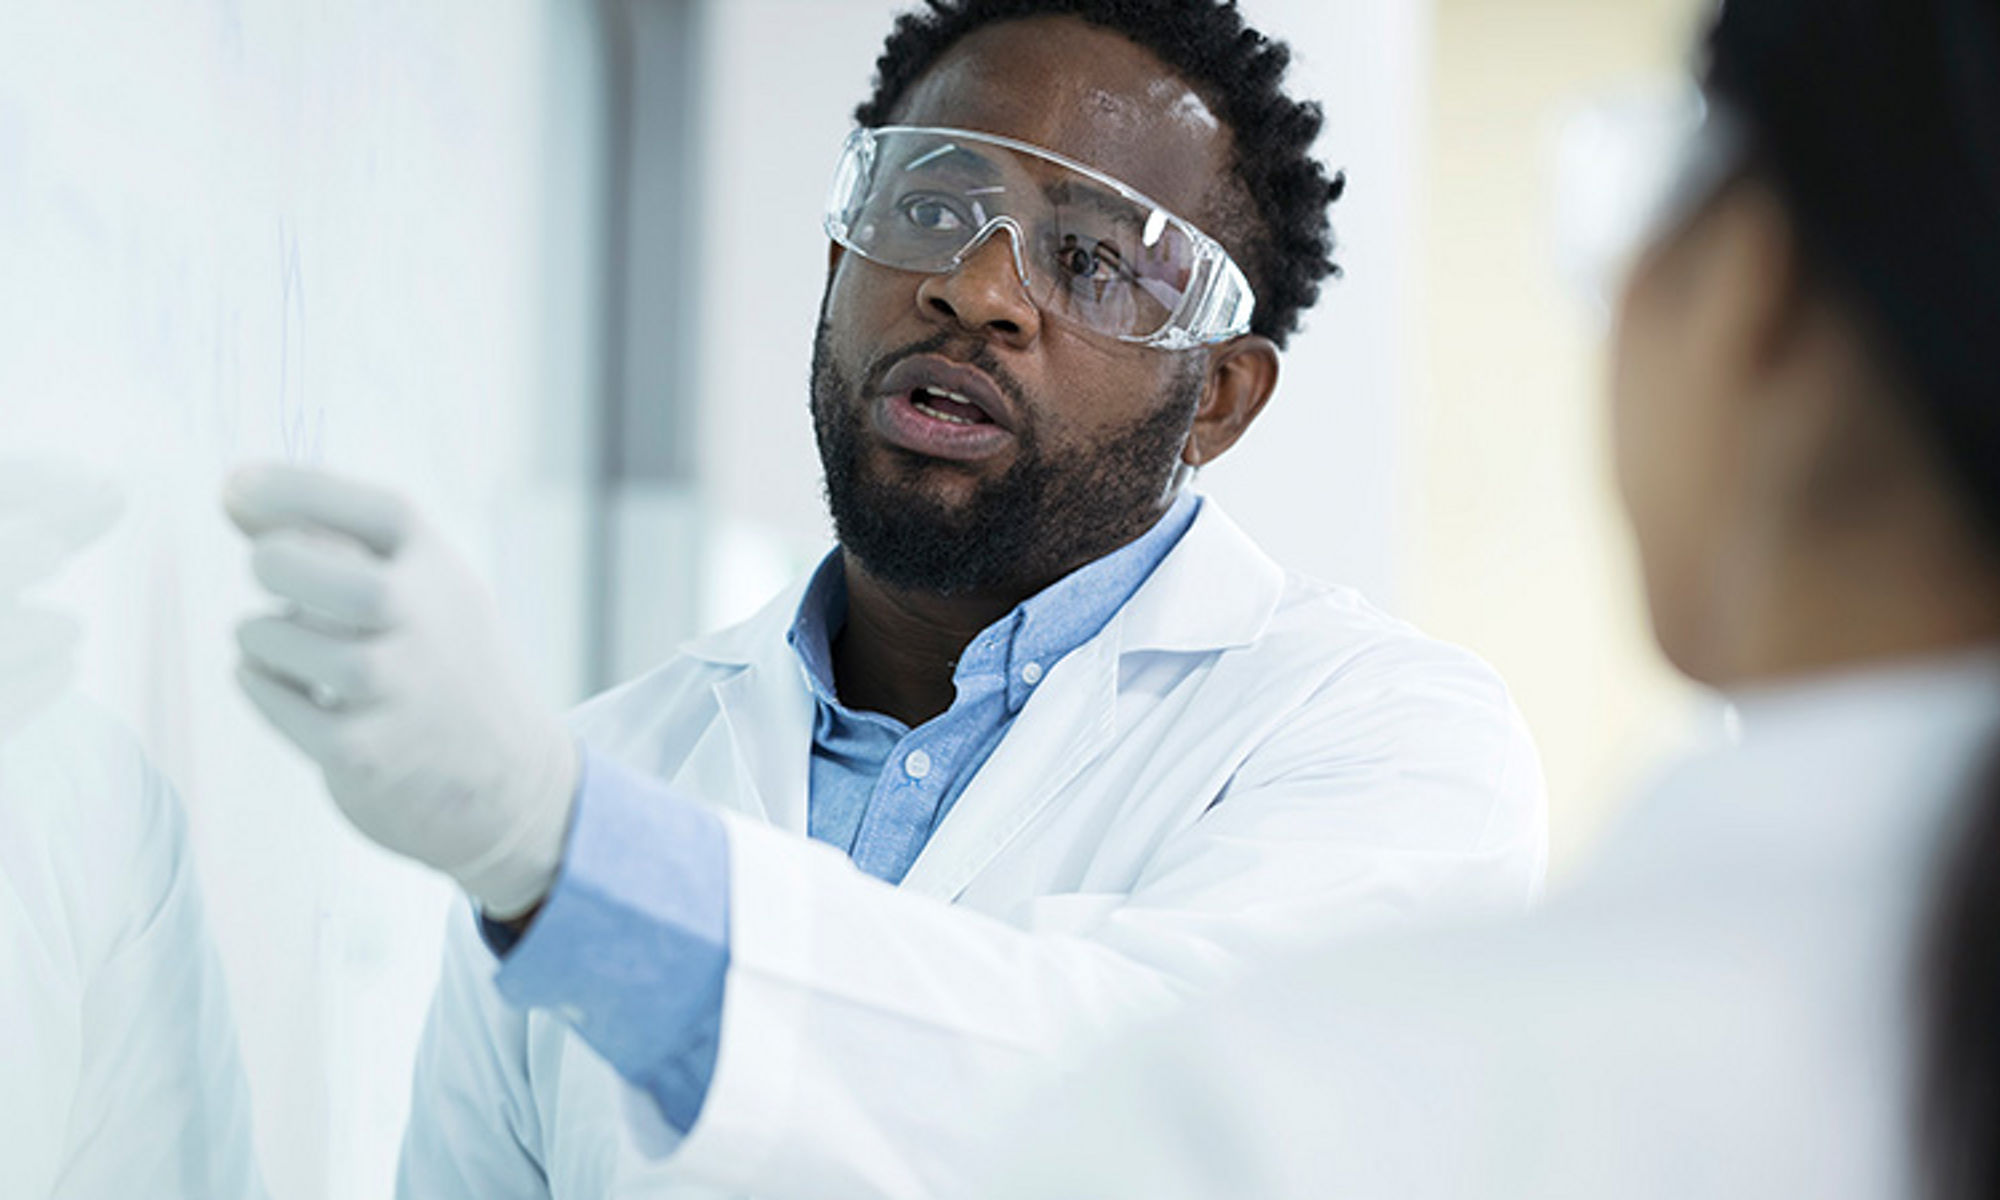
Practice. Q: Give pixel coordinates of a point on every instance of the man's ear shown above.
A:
(1242, 374)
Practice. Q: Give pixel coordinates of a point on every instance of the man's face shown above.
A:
(1082, 444)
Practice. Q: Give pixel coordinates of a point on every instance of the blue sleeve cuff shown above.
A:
(631, 947)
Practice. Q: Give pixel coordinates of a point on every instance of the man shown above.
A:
(1044, 746)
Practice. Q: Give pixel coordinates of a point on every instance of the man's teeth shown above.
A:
(927, 410)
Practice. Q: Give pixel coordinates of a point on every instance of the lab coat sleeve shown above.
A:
(632, 944)
(472, 1133)
(866, 1028)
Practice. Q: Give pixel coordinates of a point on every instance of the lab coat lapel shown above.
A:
(1064, 725)
(755, 756)
(1214, 591)
(769, 722)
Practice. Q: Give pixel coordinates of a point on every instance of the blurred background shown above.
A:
(551, 267)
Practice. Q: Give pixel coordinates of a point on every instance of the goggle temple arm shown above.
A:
(1220, 311)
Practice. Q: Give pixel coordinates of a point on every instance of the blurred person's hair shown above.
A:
(1877, 122)
(1276, 220)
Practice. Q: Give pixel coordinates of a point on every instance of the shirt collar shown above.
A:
(1021, 646)
(822, 610)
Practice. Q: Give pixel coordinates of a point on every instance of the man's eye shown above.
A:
(932, 214)
(1100, 263)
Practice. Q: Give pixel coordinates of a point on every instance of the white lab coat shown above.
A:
(119, 1074)
(1239, 759)
(1719, 1009)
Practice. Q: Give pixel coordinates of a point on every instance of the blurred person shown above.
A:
(1782, 976)
(1045, 744)
(119, 1074)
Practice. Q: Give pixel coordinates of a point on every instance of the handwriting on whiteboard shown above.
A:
(301, 424)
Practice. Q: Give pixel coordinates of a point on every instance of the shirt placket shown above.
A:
(920, 771)
(905, 801)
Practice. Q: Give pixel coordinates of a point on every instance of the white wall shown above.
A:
(1515, 542)
(1319, 478)
(344, 234)
(1316, 480)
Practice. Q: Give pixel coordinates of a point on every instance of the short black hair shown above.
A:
(1285, 240)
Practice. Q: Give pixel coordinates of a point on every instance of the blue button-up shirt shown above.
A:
(632, 945)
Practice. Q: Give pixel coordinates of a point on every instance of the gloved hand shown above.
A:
(390, 671)
(48, 511)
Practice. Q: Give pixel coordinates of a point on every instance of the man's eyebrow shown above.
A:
(961, 159)
(1071, 191)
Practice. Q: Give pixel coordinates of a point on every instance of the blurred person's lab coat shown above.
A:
(119, 1070)
(1720, 1008)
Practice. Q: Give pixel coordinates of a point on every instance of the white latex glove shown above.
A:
(48, 511)
(389, 670)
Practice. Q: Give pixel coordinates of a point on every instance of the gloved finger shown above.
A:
(335, 670)
(48, 511)
(311, 728)
(275, 496)
(335, 579)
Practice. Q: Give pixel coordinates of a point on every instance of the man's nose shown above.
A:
(985, 294)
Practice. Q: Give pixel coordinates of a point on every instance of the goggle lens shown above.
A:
(1088, 249)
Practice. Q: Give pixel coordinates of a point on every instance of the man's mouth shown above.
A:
(942, 409)
(948, 391)
(948, 406)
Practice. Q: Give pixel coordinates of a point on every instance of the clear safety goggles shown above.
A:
(1088, 249)
(1631, 168)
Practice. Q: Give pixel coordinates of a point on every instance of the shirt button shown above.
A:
(1031, 674)
(917, 765)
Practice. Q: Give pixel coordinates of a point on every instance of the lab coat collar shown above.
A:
(1042, 629)
(747, 642)
(1215, 590)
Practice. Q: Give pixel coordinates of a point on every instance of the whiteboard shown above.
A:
(358, 235)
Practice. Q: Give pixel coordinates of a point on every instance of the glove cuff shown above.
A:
(509, 880)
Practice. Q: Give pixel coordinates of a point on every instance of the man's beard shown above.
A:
(1046, 516)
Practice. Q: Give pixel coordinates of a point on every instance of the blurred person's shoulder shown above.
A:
(1608, 1046)
(1717, 1007)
